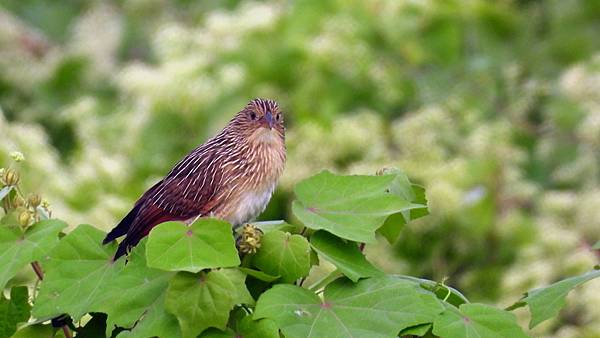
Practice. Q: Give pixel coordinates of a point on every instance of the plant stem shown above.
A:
(38, 270)
(67, 331)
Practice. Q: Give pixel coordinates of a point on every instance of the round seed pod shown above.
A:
(24, 218)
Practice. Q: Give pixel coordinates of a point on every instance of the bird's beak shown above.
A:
(268, 121)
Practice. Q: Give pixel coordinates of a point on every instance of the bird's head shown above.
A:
(261, 121)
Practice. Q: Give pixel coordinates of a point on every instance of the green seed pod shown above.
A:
(34, 200)
(10, 177)
(24, 218)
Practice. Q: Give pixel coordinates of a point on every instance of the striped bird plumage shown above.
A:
(231, 176)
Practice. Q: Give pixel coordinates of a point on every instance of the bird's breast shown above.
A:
(247, 205)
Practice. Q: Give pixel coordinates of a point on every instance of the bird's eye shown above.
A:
(253, 115)
(278, 116)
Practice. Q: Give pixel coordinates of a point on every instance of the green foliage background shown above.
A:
(494, 106)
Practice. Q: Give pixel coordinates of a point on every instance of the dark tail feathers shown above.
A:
(123, 227)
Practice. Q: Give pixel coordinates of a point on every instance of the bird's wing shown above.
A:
(189, 190)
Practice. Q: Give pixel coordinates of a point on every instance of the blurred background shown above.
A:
(494, 106)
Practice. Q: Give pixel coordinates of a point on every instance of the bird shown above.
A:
(231, 176)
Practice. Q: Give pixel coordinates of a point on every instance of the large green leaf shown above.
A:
(13, 311)
(18, 249)
(77, 270)
(344, 255)
(283, 254)
(351, 207)
(476, 320)
(200, 301)
(208, 243)
(156, 322)
(545, 303)
(373, 307)
(133, 291)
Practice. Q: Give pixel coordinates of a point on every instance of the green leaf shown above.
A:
(246, 328)
(596, 246)
(344, 255)
(41, 331)
(545, 303)
(373, 307)
(266, 226)
(449, 294)
(476, 320)
(18, 249)
(133, 291)
(259, 275)
(351, 207)
(200, 301)
(264, 328)
(156, 322)
(13, 311)
(283, 254)
(413, 193)
(77, 270)
(5, 191)
(392, 227)
(238, 279)
(208, 243)
(417, 330)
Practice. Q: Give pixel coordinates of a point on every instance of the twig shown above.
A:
(38, 270)
(67, 331)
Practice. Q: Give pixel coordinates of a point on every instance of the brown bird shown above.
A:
(232, 177)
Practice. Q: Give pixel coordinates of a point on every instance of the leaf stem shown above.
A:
(67, 331)
(38, 270)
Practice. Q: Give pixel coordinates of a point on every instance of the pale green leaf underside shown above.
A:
(351, 207)
(208, 243)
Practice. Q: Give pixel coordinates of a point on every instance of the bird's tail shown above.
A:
(123, 227)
